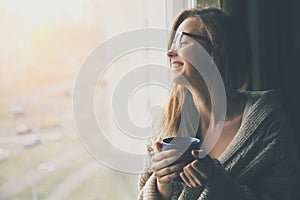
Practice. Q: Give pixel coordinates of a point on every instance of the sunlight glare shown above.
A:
(39, 13)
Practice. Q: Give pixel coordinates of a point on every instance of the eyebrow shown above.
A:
(200, 37)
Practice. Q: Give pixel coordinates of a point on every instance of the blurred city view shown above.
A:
(43, 45)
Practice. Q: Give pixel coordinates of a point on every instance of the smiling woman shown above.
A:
(255, 156)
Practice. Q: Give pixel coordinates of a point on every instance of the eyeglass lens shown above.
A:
(176, 41)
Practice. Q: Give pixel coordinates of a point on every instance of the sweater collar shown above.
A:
(265, 102)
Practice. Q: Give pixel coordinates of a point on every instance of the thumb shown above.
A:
(158, 146)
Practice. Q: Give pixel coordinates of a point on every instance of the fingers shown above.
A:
(185, 179)
(168, 170)
(165, 154)
(192, 177)
(199, 168)
(196, 173)
(158, 146)
(168, 178)
(204, 165)
(164, 159)
(168, 173)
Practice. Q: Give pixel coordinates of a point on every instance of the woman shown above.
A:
(255, 156)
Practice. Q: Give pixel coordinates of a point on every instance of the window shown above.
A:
(44, 45)
(211, 3)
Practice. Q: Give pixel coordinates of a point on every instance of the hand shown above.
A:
(162, 170)
(198, 172)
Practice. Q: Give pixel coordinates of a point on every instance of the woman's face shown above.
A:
(181, 67)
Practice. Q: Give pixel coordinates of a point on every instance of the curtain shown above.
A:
(274, 32)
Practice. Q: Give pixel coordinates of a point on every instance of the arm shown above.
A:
(270, 187)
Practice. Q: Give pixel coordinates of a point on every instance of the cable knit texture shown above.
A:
(260, 163)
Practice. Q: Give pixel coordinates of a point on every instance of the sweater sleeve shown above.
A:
(150, 192)
(146, 180)
(147, 188)
(274, 172)
(276, 187)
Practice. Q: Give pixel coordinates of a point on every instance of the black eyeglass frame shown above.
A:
(193, 36)
(200, 37)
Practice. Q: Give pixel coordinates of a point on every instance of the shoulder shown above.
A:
(269, 119)
(266, 120)
(262, 98)
(264, 104)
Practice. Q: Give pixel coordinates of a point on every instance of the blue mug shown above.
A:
(183, 145)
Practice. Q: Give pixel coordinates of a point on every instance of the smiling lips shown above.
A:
(176, 65)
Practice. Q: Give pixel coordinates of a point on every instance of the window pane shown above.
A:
(211, 3)
(43, 47)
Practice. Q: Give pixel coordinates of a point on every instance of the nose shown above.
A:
(172, 52)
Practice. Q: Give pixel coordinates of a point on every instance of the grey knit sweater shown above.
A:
(260, 163)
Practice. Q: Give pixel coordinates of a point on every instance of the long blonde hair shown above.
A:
(230, 50)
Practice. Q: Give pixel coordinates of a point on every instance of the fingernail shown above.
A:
(196, 152)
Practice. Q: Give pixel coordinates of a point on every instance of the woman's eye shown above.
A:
(182, 44)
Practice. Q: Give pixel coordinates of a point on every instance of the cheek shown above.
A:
(189, 55)
(196, 56)
(191, 73)
(189, 69)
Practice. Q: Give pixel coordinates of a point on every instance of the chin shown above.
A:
(181, 80)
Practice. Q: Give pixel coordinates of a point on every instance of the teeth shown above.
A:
(175, 65)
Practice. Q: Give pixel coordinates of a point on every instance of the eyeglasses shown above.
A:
(178, 41)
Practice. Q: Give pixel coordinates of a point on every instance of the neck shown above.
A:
(203, 105)
(235, 107)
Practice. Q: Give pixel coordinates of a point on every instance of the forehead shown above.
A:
(190, 25)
